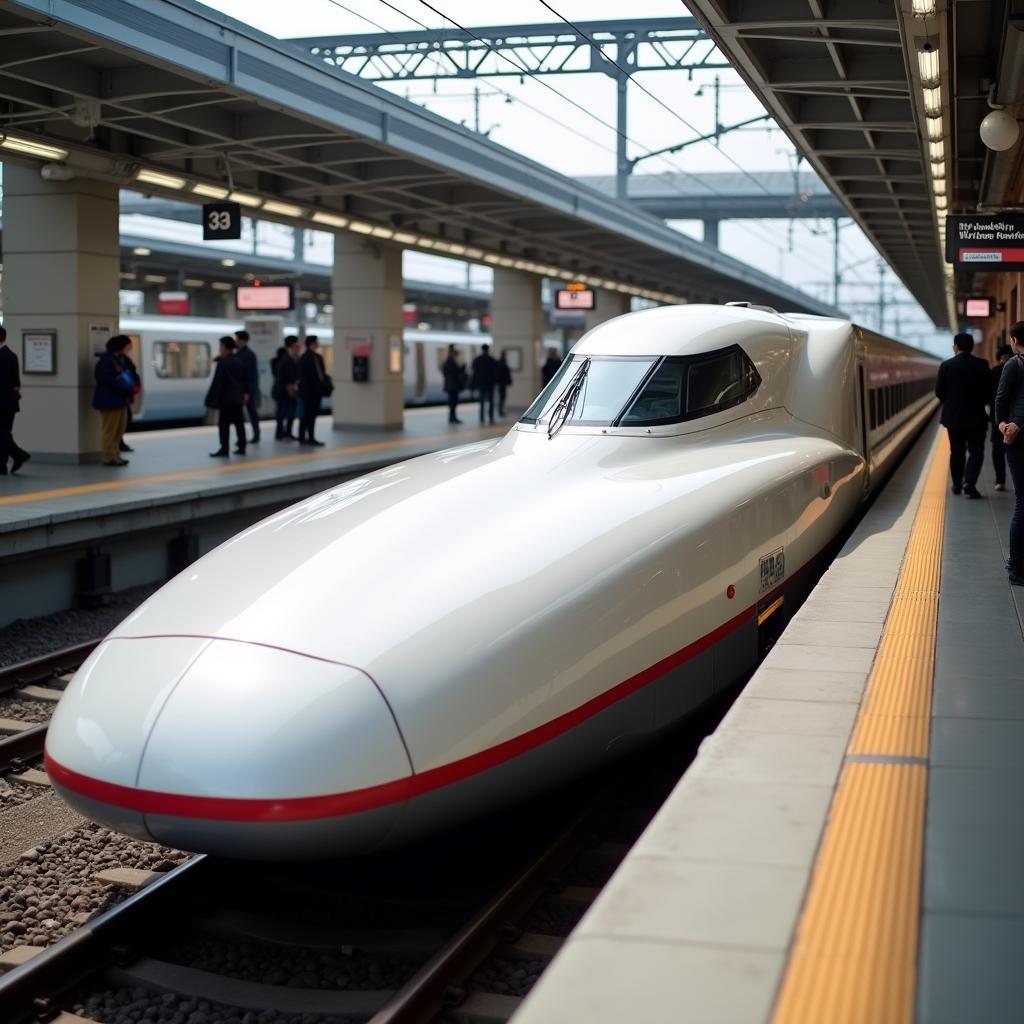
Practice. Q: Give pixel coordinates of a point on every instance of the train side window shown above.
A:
(873, 403)
(181, 359)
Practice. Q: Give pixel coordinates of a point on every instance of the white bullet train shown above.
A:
(436, 638)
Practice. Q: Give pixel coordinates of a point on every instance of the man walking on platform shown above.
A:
(964, 389)
(10, 403)
(251, 365)
(998, 444)
(485, 376)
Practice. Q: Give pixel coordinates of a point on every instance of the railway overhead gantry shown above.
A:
(168, 96)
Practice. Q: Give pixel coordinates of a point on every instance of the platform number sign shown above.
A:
(773, 570)
(222, 220)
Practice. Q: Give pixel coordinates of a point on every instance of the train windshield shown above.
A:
(609, 385)
(636, 392)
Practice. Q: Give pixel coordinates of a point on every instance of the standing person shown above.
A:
(1003, 353)
(136, 388)
(10, 403)
(1009, 414)
(454, 381)
(504, 381)
(112, 396)
(251, 365)
(485, 376)
(286, 387)
(312, 375)
(227, 395)
(550, 367)
(963, 388)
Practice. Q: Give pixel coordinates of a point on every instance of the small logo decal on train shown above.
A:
(773, 570)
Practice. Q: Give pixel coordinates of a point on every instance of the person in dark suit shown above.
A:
(998, 445)
(10, 403)
(251, 365)
(1009, 414)
(227, 395)
(963, 386)
(550, 367)
(504, 382)
(312, 375)
(454, 381)
(286, 387)
(485, 376)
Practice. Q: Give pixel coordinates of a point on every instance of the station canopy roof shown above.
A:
(884, 100)
(173, 98)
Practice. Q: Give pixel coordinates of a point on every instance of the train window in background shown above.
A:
(873, 407)
(181, 359)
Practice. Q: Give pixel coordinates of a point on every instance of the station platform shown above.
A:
(847, 846)
(50, 515)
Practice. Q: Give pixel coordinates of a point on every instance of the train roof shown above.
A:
(689, 329)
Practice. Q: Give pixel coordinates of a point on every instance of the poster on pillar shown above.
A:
(99, 335)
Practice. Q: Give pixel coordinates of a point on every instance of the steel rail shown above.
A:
(31, 991)
(436, 984)
(35, 670)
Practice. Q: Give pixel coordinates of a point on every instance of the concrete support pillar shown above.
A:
(517, 322)
(711, 232)
(61, 274)
(609, 305)
(367, 294)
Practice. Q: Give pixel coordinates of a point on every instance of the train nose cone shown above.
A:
(262, 752)
(99, 730)
(268, 753)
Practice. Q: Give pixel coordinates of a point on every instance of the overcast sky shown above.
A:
(531, 118)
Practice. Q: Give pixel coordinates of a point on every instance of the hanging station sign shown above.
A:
(222, 221)
(993, 242)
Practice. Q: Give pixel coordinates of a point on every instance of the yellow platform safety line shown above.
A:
(127, 483)
(854, 959)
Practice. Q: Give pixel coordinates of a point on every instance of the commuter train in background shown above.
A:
(353, 672)
(174, 356)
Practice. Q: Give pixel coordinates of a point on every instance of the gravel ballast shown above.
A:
(50, 885)
(23, 709)
(30, 638)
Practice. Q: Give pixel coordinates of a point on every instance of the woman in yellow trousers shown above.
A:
(114, 391)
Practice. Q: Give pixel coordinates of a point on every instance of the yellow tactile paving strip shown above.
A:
(130, 483)
(854, 960)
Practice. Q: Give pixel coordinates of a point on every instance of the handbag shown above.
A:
(327, 386)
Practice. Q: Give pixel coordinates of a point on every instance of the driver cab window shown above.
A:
(683, 388)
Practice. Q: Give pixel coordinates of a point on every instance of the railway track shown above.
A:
(37, 683)
(398, 938)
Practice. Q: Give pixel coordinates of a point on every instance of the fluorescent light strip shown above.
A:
(160, 179)
(934, 128)
(924, 8)
(209, 191)
(928, 65)
(193, 282)
(245, 199)
(332, 220)
(29, 147)
(284, 209)
(360, 227)
(936, 152)
(383, 232)
(932, 101)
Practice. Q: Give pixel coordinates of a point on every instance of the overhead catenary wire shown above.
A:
(763, 237)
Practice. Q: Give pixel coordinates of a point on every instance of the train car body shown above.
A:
(358, 670)
(175, 355)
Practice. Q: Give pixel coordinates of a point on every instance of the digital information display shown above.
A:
(264, 297)
(993, 242)
(978, 307)
(583, 299)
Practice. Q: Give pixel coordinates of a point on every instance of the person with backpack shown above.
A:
(114, 391)
(228, 395)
